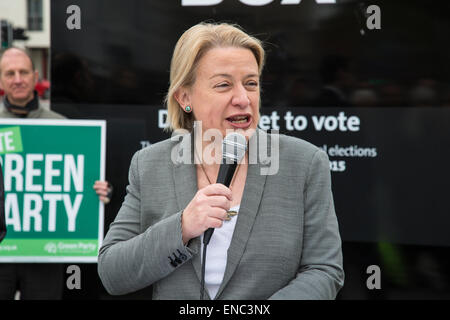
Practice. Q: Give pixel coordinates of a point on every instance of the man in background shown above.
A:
(18, 78)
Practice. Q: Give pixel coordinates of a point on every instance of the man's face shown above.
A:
(17, 77)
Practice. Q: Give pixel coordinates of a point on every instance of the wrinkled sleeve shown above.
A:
(129, 259)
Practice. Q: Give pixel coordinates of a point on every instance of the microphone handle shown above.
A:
(226, 172)
(224, 177)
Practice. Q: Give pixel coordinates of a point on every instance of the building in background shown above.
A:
(34, 17)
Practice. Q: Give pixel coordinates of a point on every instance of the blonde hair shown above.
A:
(190, 48)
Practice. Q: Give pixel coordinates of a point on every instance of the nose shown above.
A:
(17, 77)
(240, 97)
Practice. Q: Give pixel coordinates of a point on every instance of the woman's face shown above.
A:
(226, 91)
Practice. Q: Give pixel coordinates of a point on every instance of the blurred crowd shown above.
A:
(339, 86)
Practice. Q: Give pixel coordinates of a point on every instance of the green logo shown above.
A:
(10, 140)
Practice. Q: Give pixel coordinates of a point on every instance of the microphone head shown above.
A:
(234, 147)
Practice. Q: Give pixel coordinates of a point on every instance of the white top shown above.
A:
(216, 254)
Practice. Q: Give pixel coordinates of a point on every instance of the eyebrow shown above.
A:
(229, 76)
(13, 70)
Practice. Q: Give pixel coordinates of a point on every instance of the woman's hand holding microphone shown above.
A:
(208, 209)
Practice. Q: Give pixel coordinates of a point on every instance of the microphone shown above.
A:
(234, 147)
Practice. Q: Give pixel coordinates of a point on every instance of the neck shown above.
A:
(20, 103)
(209, 153)
(207, 161)
(21, 108)
(211, 170)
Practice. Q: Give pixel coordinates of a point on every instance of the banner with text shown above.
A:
(52, 211)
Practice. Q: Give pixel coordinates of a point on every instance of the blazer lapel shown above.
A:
(185, 182)
(249, 207)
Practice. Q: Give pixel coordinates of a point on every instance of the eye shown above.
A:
(222, 85)
(252, 84)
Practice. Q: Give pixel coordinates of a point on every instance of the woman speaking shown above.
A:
(275, 235)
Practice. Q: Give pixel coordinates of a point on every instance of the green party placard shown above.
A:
(52, 212)
(10, 140)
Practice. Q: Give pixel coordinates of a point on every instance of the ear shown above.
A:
(36, 77)
(182, 96)
(1, 81)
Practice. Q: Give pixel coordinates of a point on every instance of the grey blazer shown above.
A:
(286, 243)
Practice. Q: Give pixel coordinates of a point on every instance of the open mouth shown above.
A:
(242, 119)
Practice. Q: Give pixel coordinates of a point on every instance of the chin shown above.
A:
(247, 132)
(21, 97)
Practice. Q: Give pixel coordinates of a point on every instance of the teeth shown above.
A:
(239, 119)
